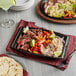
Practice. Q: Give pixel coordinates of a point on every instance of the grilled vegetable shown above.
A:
(25, 29)
(73, 1)
(62, 6)
(68, 14)
(32, 43)
(74, 5)
(59, 8)
(36, 52)
(57, 53)
(52, 36)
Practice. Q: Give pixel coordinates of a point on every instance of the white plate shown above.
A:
(23, 5)
(20, 2)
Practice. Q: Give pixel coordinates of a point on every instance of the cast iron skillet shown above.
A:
(61, 18)
(66, 39)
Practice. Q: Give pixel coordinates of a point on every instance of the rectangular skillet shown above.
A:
(64, 51)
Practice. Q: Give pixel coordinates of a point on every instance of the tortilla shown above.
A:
(9, 67)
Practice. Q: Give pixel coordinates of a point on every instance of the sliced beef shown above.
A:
(45, 5)
(27, 37)
(19, 40)
(37, 32)
(51, 3)
(25, 47)
(31, 34)
(57, 1)
(23, 42)
(61, 1)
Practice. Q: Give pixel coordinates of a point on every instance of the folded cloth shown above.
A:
(53, 62)
(6, 4)
(25, 73)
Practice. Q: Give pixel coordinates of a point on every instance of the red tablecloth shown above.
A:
(25, 73)
(71, 47)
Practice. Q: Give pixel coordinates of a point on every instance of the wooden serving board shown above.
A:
(71, 21)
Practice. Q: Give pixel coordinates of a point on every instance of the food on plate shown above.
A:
(60, 8)
(9, 67)
(40, 41)
(73, 1)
